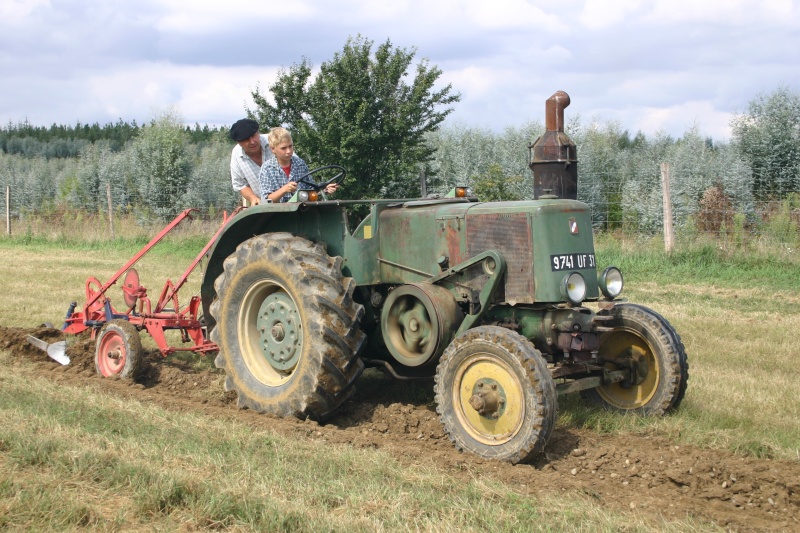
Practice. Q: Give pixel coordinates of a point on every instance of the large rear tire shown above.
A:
(495, 395)
(642, 340)
(287, 327)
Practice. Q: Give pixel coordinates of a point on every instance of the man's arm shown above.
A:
(238, 179)
(249, 195)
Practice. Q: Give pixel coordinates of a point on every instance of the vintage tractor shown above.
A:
(502, 304)
(491, 300)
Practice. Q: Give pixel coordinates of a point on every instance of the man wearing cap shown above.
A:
(250, 152)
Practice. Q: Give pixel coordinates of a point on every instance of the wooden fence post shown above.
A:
(8, 209)
(110, 209)
(669, 236)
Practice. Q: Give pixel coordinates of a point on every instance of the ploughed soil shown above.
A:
(645, 474)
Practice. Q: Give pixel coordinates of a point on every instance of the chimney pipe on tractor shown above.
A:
(553, 156)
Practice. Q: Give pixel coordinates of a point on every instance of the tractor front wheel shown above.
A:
(643, 342)
(118, 350)
(495, 395)
(287, 327)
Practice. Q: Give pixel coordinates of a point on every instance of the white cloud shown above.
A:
(208, 16)
(602, 13)
(679, 118)
(648, 64)
(202, 94)
(721, 12)
(14, 11)
(499, 14)
(478, 82)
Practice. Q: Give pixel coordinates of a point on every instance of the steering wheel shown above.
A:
(337, 179)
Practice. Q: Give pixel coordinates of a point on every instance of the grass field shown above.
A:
(106, 464)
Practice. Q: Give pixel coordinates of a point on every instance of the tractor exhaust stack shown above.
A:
(553, 156)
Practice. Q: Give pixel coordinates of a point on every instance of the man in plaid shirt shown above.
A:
(246, 159)
(279, 175)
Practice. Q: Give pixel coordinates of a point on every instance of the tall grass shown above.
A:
(79, 230)
(702, 260)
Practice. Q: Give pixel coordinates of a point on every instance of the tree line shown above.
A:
(380, 113)
(59, 140)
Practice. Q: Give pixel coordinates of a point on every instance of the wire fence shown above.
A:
(630, 209)
(726, 213)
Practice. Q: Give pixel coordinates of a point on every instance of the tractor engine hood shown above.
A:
(561, 230)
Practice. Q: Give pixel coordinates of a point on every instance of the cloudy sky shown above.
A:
(650, 65)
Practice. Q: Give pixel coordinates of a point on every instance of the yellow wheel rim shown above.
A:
(480, 371)
(628, 345)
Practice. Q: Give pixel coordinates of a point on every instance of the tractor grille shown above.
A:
(508, 234)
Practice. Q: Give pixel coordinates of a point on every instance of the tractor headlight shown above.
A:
(459, 192)
(307, 196)
(611, 282)
(573, 288)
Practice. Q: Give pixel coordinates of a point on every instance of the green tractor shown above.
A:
(502, 304)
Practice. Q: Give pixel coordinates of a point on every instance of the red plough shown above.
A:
(118, 346)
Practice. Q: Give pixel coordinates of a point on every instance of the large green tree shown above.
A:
(768, 136)
(161, 164)
(359, 112)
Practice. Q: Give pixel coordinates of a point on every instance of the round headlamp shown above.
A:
(307, 196)
(573, 288)
(611, 282)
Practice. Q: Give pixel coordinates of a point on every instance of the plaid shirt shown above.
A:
(272, 177)
(244, 171)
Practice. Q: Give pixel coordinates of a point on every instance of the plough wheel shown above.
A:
(118, 351)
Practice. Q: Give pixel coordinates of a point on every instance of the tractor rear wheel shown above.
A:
(118, 350)
(644, 342)
(287, 327)
(495, 395)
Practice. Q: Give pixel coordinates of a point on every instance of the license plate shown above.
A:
(571, 261)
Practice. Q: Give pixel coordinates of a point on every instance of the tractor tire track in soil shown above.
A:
(639, 473)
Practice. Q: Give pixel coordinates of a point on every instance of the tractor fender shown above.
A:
(321, 222)
(249, 222)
